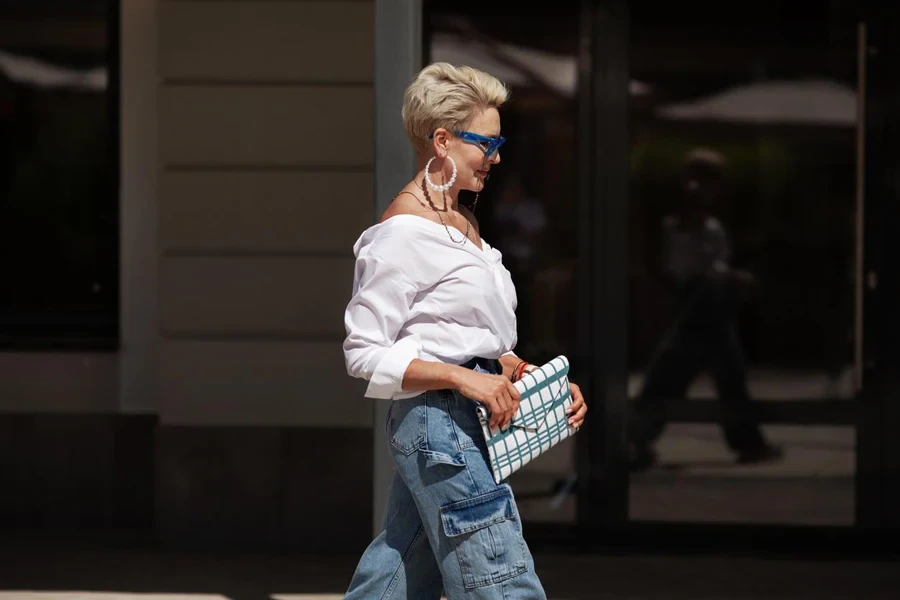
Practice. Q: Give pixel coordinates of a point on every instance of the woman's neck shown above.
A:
(448, 198)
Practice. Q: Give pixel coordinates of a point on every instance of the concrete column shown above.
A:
(398, 56)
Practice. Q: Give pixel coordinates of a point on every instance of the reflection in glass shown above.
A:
(707, 293)
(742, 239)
(527, 210)
(59, 231)
(812, 486)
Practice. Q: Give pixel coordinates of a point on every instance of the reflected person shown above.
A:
(704, 335)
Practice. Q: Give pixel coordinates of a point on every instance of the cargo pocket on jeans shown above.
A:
(486, 538)
(457, 459)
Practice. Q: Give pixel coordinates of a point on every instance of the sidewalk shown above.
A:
(107, 574)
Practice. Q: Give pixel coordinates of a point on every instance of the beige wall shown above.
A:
(247, 174)
(265, 181)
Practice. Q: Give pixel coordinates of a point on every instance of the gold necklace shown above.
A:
(433, 208)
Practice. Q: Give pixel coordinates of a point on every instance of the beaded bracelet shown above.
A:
(512, 376)
(520, 370)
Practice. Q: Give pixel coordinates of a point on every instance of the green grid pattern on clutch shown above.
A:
(540, 423)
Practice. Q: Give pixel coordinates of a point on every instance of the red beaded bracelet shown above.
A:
(512, 375)
(520, 370)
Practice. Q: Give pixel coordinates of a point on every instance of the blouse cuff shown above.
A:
(388, 376)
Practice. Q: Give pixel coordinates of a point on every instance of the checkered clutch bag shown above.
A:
(540, 423)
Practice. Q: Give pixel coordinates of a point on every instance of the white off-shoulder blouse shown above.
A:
(418, 294)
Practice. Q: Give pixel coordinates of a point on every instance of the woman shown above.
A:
(431, 325)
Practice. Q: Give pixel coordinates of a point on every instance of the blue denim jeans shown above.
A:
(447, 526)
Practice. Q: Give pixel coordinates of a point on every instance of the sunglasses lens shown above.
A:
(494, 146)
(488, 145)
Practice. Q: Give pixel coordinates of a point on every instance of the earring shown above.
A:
(446, 186)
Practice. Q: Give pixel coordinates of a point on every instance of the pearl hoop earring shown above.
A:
(443, 187)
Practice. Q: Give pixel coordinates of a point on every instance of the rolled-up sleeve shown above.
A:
(378, 309)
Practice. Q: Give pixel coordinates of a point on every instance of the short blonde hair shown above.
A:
(442, 95)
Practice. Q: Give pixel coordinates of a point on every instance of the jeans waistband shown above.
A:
(491, 365)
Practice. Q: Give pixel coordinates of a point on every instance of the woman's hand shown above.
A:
(578, 409)
(495, 391)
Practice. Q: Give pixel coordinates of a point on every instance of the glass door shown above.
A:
(745, 261)
(528, 209)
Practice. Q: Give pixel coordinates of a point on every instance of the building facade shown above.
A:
(254, 141)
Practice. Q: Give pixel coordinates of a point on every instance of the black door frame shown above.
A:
(878, 489)
(602, 314)
(602, 514)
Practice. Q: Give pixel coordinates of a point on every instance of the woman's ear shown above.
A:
(441, 142)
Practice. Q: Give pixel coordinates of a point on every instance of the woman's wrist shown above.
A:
(424, 376)
(508, 362)
(520, 369)
(453, 376)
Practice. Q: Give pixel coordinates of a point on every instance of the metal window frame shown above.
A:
(602, 302)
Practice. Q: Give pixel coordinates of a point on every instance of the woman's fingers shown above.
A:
(502, 400)
(507, 409)
(576, 420)
(578, 409)
(496, 411)
(513, 395)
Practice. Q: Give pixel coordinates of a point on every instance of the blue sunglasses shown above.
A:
(488, 144)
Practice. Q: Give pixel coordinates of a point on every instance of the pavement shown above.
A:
(93, 573)
(697, 481)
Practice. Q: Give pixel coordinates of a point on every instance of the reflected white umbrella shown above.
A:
(804, 102)
(31, 71)
(515, 65)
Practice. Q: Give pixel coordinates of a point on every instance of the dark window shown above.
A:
(59, 171)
